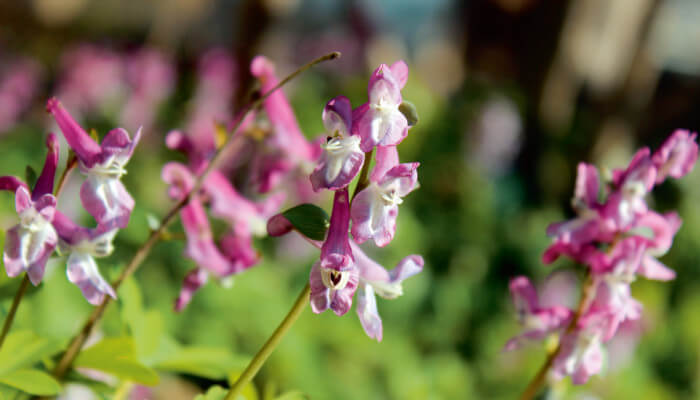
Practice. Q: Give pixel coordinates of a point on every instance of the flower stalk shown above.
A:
(67, 358)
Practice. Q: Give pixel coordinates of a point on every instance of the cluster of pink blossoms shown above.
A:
(42, 228)
(343, 267)
(19, 83)
(617, 239)
(268, 153)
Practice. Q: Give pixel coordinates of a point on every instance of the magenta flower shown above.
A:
(332, 289)
(82, 246)
(581, 353)
(103, 195)
(286, 132)
(537, 321)
(342, 158)
(676, 156)
(194, 279)
(200, 241)
(29, 244)
(18, 86)
(375, 208)
(375, 279)
(379, 122)
(336, 252)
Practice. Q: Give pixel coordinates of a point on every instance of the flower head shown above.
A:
(379, 122)
(103, 194)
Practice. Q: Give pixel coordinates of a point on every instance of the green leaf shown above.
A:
(310, 220)
(24, 348)
(30, 176)
(32, 381)
(117, 356)
(409, 111)
(214, 393)
(293, 395)
(207, 362)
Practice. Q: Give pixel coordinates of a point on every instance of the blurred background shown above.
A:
(511, 94)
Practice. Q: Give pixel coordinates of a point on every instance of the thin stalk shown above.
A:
(257, 362)
(363, 181)
(13, 309)
(78, 341)
(538, 380)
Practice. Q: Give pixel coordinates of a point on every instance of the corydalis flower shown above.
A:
(375, 208)
(379, 122)
(29, 244)
(342, 158)
(334, 278)
(537, 321)
(103, 194)
(82, 246)
(376, 280)
(581, 351)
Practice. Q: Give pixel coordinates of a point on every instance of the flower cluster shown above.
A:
(42, 228)
(131, 86)
(617, 238)
(19, 83)
(268, 152)
(376, 127)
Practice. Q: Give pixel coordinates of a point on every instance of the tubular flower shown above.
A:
(103, 194)
(82, 246)
(379, 122)
(375, 208)
(29, 244)
(376, 280)
(617, 238)
(537, 321)
(342, 158)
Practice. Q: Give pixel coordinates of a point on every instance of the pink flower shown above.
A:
(677, 155)
(332, 289)
(336, 252)
(103, 194)
(82, 246)
(379, 122)
(581, 351)
(19, 84)
(375, 279)
(29, 244)
(342, 158)
(537, 321)
(375, 208)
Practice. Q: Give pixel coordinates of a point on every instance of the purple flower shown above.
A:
(286, 132)
(332, 289)
(342, 158)
(537, 321)
(103, 195)
(375, 279)
(192, 282)
(376, 207)
(379, 122)
(200, 247)
(82, 246)
(336, 252)
(677, 155)
(29, 244)
(581, 351)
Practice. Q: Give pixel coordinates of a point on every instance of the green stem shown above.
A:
(13, 309)
(257, 362)
(78, 341)
(363, 181)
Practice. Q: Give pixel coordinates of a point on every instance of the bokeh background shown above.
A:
(511, 94)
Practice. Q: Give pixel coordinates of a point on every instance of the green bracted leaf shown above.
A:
(30, 176)
(409, 111)
(207, 362)
(117, 356)
(310, 220)
(32, 381)
(214, 393)
(24, 348)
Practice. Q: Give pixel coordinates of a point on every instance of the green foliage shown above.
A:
(214, 393)
(310, 220)
(116, 356)
(32, 381)
(21, 351)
